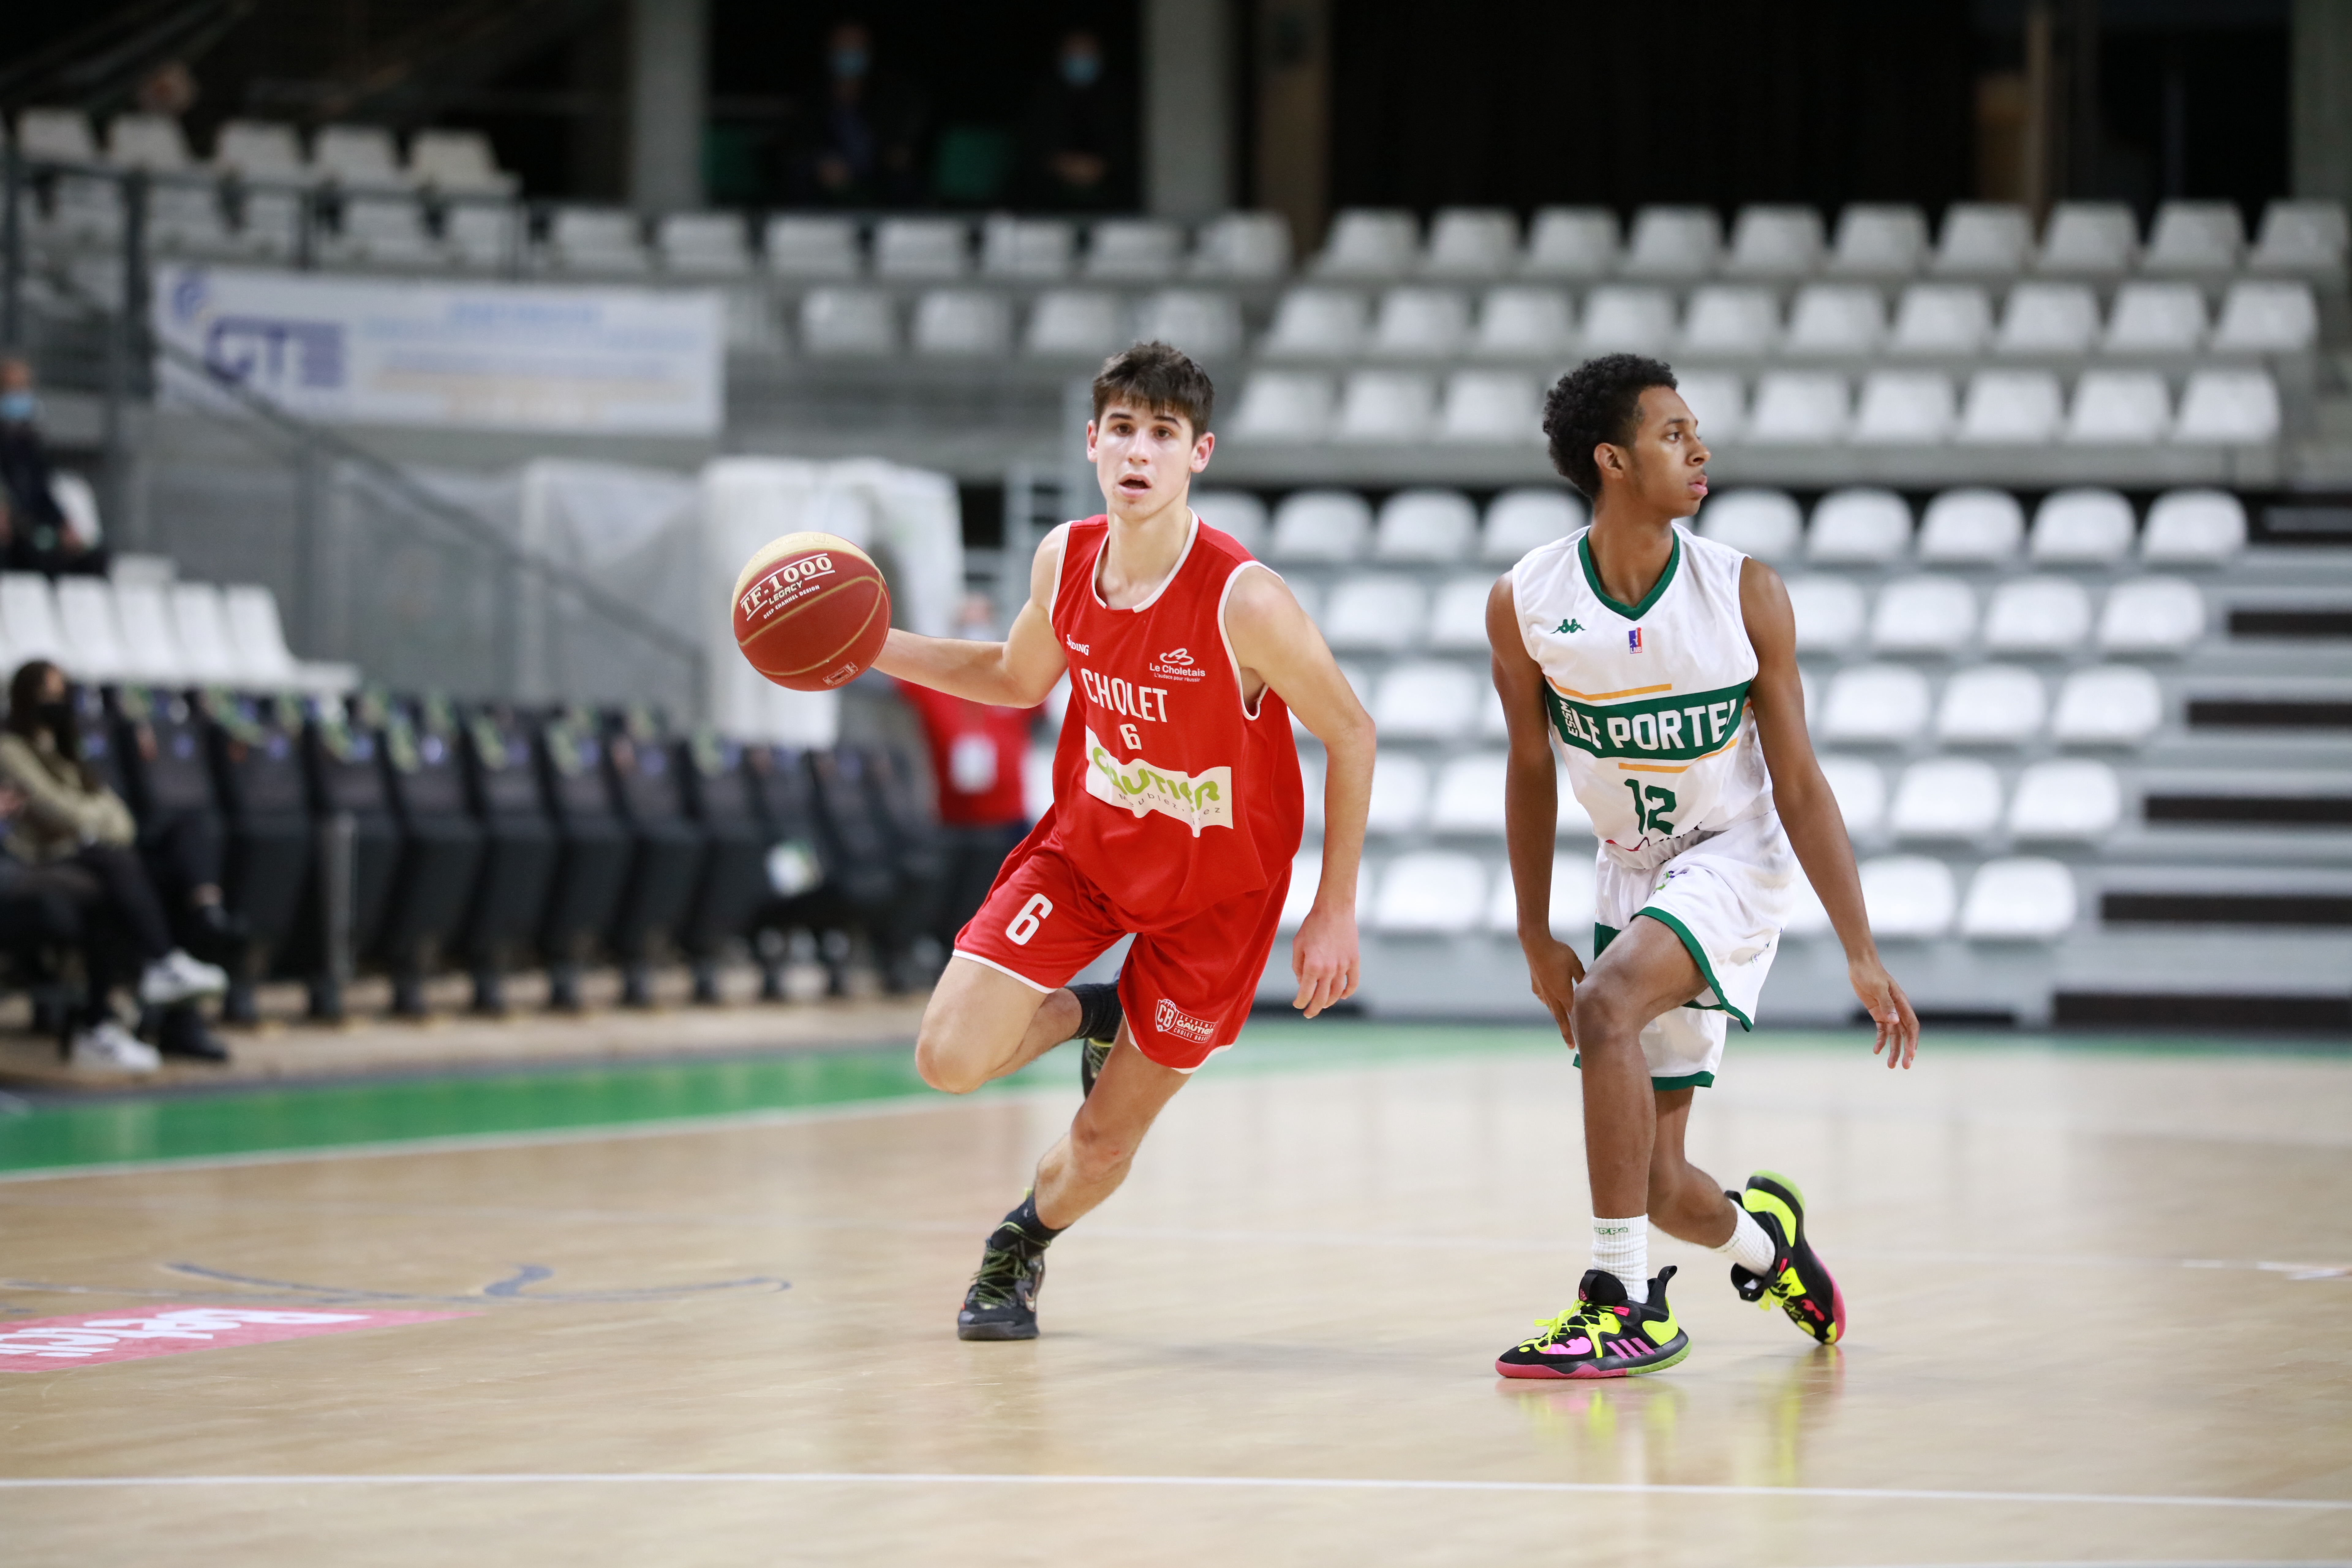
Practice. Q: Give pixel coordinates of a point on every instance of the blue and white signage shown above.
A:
(496, 355)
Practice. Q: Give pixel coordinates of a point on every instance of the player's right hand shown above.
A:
(1554, 973)
(1325, 957)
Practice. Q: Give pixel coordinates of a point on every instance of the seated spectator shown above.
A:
(71, 821)
(860, 142)
(1080, 131)
(34, 526)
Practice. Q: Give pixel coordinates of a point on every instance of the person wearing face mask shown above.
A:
(72, 822)
(1080, 131)
(34, 526)
(864, 126)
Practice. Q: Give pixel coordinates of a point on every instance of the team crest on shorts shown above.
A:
(1171, 1020)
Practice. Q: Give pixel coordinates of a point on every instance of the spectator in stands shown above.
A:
(72, 822)
(1080, 131)
(169, 89)
(977, 751)
(861, 149)
(34, 525)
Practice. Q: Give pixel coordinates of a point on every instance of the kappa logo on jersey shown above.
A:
(1177, 664)
(1570, 624)
(1082, 647)
(1197, 800)
(1171, 1020)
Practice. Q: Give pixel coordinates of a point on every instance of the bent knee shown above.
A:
(1605, 1016)
(938, 1064)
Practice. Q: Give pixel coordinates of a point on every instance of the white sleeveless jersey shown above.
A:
(1650, 700)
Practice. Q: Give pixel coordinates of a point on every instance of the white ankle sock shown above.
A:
(1621, 1247)
(1748, 1247)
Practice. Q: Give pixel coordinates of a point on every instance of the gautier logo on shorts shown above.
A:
(1196, 800)
(1183, 1025)
(785, 585)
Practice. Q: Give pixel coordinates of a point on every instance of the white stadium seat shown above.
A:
(2096, 239)
(1377, 614)
(1628, 317)
(1285, 405)
(1800, 407)
(357, 157)
(1673, 242)
(1718, 401)
(2119, 408)
(2195, 237)
(1571, 242)
(1984, 239)
(63, 135)
(1031, 249)
(1990, 704)
(704, 245)
(151, 142)
(1235, 512)
(1875, 703)
(476, 235)
(457, 163)
(257, 640)
(383, 230)
(2084, 526)
(200, 626)
(1491, 405)
(1774, 242)
(1306, 878)
(1880, 241)
(1520, 521)
(1907, 896)
(259, 150)
(1861, 792)
(1835, 319)
(1469, 794)
(1730, 319)
(2151, 614)
(849, 321)
(1241, 244)
(2232, 407)
(2156, 318)
(1903, 407)
(2071, 798)
(1829, 613)
(93, 637)
(1525, 323)
(1133, 250)
(149, 649)
(1074, 323)
(1946, 797)
(1432, 893)
(2267, 318)
(1425, 525)
(1205, 324)
(2194, 528)
(1369, 243)
(1399, 794)
(597, 240)
(922, 248)
(1458, 615)
(2048, 319)
(2037, 615)
(1571, 906)
(1317, 324)
(28, 616)
(2021, 898)
(1420, 323)
(2010, 407)
(810, 248)
(1859, 527)
(2306, 236)
(2108, 705)
(963, 322)
(1923, 615)
(1941, 318)
(1385, 405)
(1321, 525)
(1472, 242)
(1764, 523)
(1973, 526)
(1427, 700)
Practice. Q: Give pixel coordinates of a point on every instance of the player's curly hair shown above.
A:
(1600, 400)
(1160, 376)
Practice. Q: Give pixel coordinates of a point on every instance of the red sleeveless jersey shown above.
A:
(1169, 793)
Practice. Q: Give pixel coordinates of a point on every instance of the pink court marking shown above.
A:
(86, 1338)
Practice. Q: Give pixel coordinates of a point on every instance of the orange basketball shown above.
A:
(811, 611)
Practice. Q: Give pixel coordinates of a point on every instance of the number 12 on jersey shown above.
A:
(1650, 804)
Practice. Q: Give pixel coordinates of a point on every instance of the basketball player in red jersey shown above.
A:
(1177, 809)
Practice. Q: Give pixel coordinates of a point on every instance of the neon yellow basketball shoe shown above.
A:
(1798, 1283)
(1603, 1335)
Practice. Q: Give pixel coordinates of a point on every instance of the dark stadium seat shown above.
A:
(519, 854)
(254, 745)
(721, 787)
(649, 785)
(342, 745)
(857, 850)
(160, 756)
(441, 844)
(800, 896)
(593, 847)
(918, 856)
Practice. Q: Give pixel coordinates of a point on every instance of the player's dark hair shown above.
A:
(1600, 400)
(1161, 377)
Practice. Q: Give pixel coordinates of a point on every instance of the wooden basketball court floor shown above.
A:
(2100, 1299)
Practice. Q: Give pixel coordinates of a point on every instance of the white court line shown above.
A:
(1274, 1483)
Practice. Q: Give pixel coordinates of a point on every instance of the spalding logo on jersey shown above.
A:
(1198, 801)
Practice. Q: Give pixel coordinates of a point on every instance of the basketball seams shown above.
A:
(878, 599)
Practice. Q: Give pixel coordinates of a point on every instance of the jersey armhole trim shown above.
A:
(1061, 554)
(1226, 637)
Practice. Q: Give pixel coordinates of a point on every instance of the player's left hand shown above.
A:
(1899, 1025)
(1324, 957)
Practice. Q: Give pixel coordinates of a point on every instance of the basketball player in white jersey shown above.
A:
(1664, 667)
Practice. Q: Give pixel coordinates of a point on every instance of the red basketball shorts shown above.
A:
(1187, 987)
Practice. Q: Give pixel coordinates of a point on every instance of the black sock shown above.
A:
(1023, 1218)
(1098, 1014)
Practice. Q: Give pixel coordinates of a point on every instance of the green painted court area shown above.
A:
(226, 1123)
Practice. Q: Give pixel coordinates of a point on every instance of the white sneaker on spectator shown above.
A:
(111, 1046)
(176, 977)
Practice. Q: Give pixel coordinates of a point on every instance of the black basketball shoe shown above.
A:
(1797, 1283)
(1003, 1302)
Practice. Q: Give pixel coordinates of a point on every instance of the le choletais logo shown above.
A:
(1177, 664)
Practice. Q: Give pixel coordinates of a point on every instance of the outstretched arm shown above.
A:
(1018, 672)
(1810, 812)
(1277, 647)
(1530, 810)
